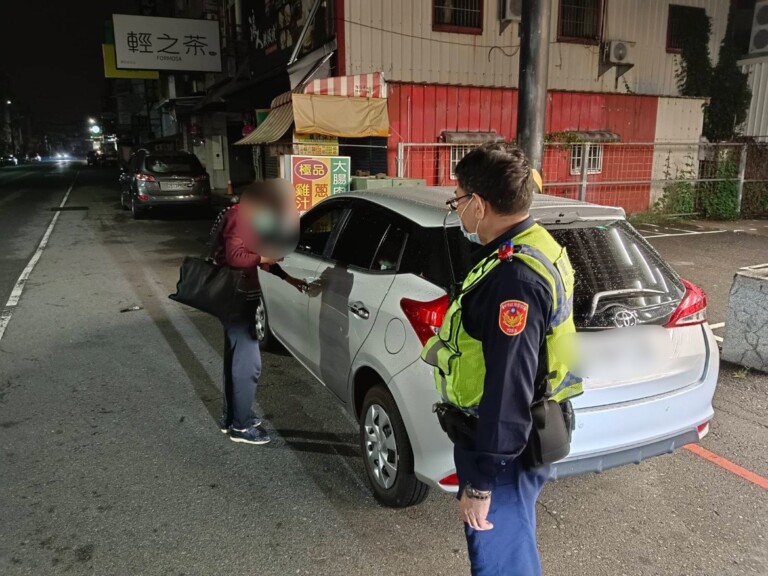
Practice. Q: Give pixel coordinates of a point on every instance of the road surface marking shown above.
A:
(718, 338)
(716, 326)
(687, 234)
(755, 267)
(728, 465)
(18, 288)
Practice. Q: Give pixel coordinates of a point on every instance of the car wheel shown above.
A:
(136, 211)
(261, 330)
(123, 205)
(387, 452)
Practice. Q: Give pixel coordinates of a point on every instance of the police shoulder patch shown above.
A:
(513, 315)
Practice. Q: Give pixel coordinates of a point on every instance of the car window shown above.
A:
(430, 257)
(616, 269)
(317, 227)
(390, 250)
(172, 164)
(361, 236)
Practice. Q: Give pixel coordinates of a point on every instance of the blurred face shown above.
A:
(273, 218)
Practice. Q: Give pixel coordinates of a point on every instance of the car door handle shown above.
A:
(359, 309)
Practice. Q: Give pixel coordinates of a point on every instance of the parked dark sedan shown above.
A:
(155, 179)
(8, 160)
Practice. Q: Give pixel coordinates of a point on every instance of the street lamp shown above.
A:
(91, 121)
(8, 102)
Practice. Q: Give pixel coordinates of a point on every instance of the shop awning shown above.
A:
(340, 116)
(276, 125)
(370, 85)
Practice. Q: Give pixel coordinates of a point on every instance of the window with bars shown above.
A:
(461, 16)
(580, 21)
(594, 158)
(679, 18)
(457, 153)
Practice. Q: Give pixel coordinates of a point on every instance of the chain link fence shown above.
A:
(723, 180)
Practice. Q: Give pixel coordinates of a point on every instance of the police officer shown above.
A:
(501, 361)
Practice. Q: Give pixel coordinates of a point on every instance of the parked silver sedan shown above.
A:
(381, 266)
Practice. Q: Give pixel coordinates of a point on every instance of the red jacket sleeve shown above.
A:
(236, 251)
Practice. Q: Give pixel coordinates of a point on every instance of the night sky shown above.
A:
(52, 50)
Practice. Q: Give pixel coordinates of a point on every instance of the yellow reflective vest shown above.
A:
(458, 358)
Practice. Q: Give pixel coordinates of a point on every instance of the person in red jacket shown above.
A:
(238, 248)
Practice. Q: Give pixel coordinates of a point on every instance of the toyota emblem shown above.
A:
(625, 318)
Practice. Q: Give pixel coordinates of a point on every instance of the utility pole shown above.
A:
(534, 70)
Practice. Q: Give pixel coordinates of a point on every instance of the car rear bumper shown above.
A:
(605, 436)
(179, 200)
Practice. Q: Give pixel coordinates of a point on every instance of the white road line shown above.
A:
(686, 234)
(718, 338)
(18, 288)
(716, 326)
(755, 267)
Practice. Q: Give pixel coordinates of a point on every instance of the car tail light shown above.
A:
(693, 308)
(143, 197)
(425, 317)
(450, 480)
(703, 430)
(145, 178)
(201, 178)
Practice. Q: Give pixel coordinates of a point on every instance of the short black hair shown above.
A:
(500, 174)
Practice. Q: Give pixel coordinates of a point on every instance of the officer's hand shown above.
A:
(474, 512)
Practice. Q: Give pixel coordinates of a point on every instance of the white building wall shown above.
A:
(396, 37)
(678, 120)
(757, 120)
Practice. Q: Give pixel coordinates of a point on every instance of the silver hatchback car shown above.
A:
(381, 266)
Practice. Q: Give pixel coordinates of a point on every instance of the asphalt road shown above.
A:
(111, 463)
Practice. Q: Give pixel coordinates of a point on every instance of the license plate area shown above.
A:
(175, 186)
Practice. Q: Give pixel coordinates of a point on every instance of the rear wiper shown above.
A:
(618, 293)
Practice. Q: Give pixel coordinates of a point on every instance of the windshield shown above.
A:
(615, 270)
(173, 164)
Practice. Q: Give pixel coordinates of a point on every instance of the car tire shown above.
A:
(123, 205)
(384, 442)
(261, 330)
(137, 212)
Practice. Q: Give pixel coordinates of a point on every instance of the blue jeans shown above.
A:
(242, 368)
(509, 549)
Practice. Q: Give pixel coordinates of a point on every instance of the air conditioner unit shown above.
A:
(758, 42)
(620, 52)
(510, 10)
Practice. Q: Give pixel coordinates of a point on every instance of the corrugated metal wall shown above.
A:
(419, 113)
(757, 120)
(396, 37)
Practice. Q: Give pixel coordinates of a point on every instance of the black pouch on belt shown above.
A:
(457, 424)
(550, 438)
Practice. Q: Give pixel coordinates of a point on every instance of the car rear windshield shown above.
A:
(173, 164)
(616, 271)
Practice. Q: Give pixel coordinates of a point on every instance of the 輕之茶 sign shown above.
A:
(148, 43)
(315, 178)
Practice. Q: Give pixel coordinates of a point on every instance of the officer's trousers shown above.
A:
(509, 549)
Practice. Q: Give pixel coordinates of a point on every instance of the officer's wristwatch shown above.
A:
(476, 494)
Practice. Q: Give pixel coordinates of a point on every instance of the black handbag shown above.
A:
(205, 285)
